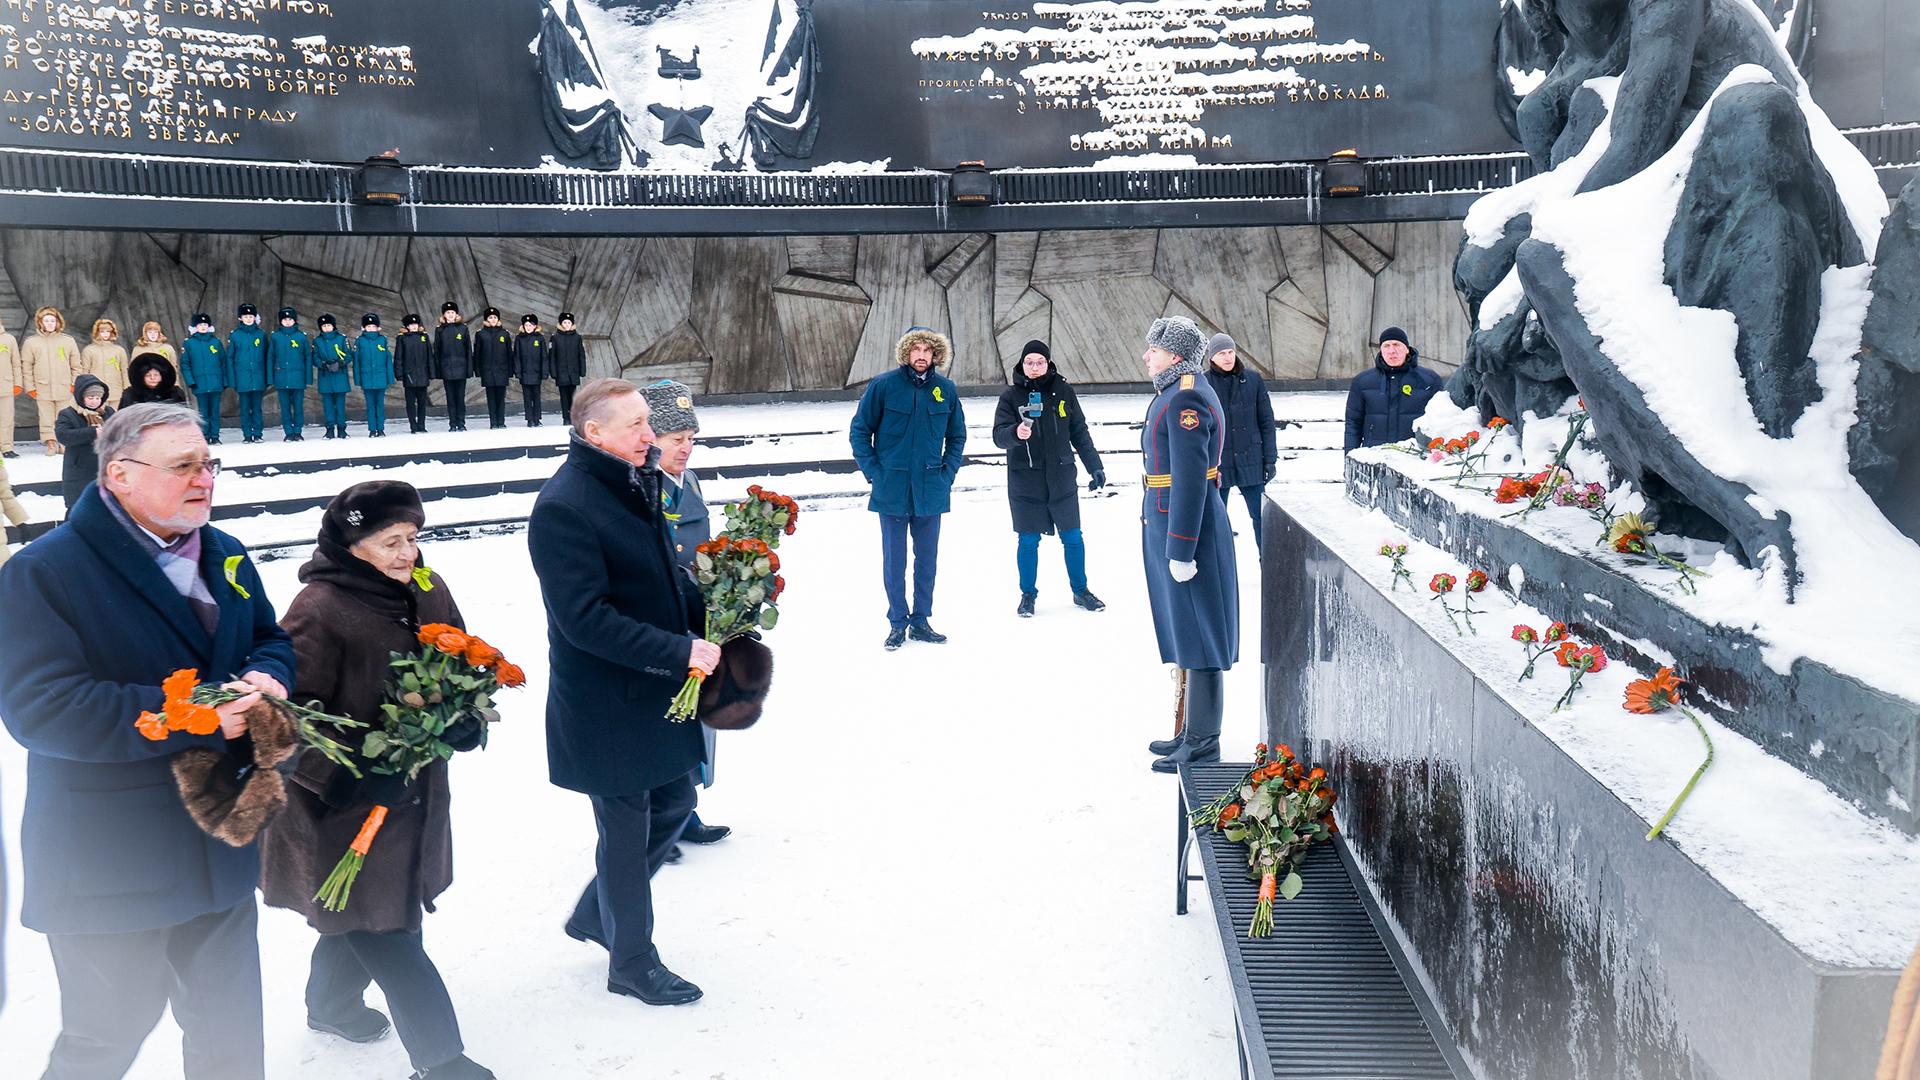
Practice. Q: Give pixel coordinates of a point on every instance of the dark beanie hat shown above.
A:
(1394, 333)
(365, 509)
(1036, 346)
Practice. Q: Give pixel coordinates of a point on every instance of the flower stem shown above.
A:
(1697, 773)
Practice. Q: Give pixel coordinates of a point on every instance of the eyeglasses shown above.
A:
(186, 469)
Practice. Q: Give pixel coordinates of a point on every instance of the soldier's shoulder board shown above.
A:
(1186, 382)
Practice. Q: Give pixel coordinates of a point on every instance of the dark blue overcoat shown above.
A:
(909, 439)
(621, 619)
(92, 628)
(1197, 622)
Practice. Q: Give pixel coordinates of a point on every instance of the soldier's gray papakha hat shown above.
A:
(1178, 335)
(672, 405)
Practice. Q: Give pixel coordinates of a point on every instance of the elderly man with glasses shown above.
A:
(141, 909)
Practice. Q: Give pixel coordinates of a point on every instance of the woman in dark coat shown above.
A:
(1252, 448)
(361, 604)
(151, 378)
(1040, 425)
(76, 427)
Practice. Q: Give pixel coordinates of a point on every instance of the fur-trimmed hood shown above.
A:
(60, 321)
(152, 324)
(942, 348)
(107, 324)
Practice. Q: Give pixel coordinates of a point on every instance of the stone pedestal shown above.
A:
(1557, 943)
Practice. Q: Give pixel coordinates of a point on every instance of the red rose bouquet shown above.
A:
(742, 585)
(1279, 810)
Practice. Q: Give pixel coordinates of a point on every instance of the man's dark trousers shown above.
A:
(497, 406)
(113, 988)
(636, 832)
(530, 402)
(343, 965)
(1253, 493)
(894, 532)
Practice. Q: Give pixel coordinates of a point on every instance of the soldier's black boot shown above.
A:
(1163, 747)
(1201, 739)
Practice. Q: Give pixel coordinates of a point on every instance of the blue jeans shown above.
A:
(1071, 543)
(210, 413)
(334, 406)
(376, 410)
(293, 411)
(253, 413)
(894, 532)
(1252, 493)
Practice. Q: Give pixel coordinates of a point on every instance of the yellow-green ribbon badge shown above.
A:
(423, 577)
(1063, 408)
(233, 576)
(1407, 389)
(936, 394)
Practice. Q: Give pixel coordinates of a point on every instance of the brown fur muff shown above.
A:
(735, 694)
(231, 796)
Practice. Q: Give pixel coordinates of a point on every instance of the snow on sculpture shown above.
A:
(581, 112)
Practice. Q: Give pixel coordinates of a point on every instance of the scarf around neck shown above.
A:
(1172, 374)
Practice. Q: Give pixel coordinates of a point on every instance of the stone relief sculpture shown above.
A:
(1769, 214)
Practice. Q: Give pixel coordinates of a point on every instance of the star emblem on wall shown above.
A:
(681, 127)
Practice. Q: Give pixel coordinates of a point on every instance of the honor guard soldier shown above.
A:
(1192, 585)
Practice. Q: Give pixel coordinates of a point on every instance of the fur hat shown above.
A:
(370, 319)
(366, 508)
(328, 320)
(529, 318)
(233, 798)
(565, 316)
(1178, 335)
(736, 694)
(288, 313)
(246, 309)
(920, 335)
(411, 320)
(1394, 333)
(1036, 346)
(672, 405)
(449, 306)
(490, 313)
(200, 317)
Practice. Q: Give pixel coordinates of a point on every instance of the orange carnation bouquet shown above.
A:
(742, 585)
(439, 702)
(190, 707)
(1279, 809)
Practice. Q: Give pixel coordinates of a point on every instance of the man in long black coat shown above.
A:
(1040, 424)
(620, 627)
(140, 907)
(1252, 449)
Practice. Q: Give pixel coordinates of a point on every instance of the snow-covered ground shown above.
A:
(950, 861)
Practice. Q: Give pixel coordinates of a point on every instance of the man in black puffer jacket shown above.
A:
(1387, 398)
(1248, 461)
(1040, 425)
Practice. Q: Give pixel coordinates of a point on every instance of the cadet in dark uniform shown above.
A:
(453, 362)
(247, 363)
(413, 362)
(566, 363)
(493, 362)
(530, 365)
(1192, 584)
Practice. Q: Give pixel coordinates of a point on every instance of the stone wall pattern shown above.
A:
(756, 315)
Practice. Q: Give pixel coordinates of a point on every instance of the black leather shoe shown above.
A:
(460, 1068)
(578, 934)
(674, 854)
(705, 834)
(657, 986)
(368, 1025)
(920, 630)
(1025, 610)
(896, 638)
(1089, 601)
(1163, 747)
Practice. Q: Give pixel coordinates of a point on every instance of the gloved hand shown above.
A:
(1269, 471)
(1098, 480)
(465, 733)
(1184, 571)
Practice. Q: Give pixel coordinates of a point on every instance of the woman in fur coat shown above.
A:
(361, 604)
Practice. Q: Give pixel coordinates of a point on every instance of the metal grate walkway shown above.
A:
(1326, 995)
